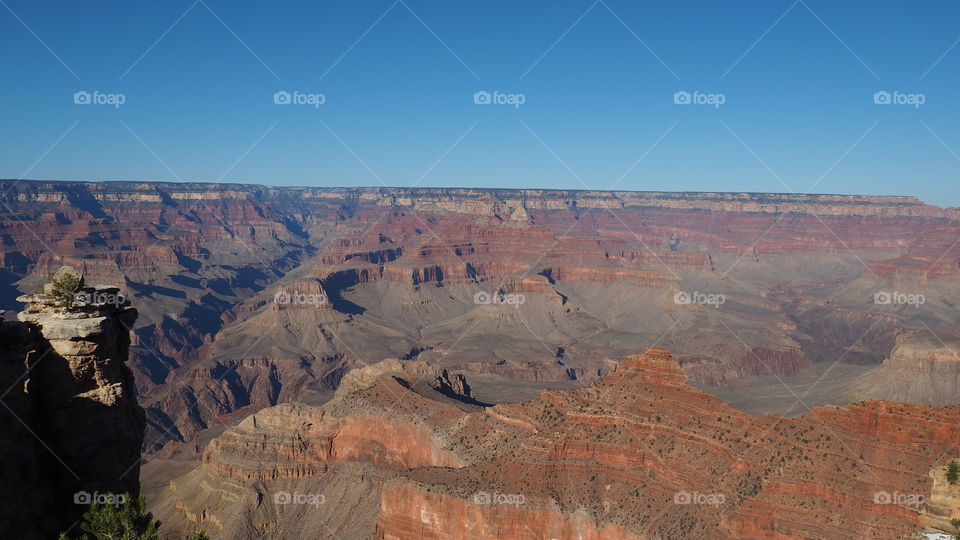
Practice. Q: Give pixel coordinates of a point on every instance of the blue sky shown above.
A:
(797, 81)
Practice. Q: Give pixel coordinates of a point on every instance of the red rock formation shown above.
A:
(637, 454)
(629, 448)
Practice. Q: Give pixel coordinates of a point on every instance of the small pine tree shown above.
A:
(956, 528)
(128, 521)
(65, 289)
(953, 471)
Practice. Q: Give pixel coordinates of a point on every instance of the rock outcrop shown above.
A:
(924, 367)
(389, 418)
(72, 426)
(943, 504)
(441, 380)
(637, 454)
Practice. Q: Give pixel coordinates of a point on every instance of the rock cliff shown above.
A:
(72, 426)
(923, 367)
(637, 454)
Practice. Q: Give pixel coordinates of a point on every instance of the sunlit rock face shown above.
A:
(638, 453)
(923, 367)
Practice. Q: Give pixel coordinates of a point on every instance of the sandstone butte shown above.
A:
(639, 453)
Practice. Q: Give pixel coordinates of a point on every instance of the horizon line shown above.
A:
(411, 188)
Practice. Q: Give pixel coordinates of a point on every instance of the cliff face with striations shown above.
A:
(923, 367)
(72, 426)
(637, 454)
(252, 296)
(388, 418)
(943, 505)
(663, 460)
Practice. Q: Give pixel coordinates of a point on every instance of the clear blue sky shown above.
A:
(798, 104)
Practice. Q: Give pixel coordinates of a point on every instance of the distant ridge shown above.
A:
(544, 199)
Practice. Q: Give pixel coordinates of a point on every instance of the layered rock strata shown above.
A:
(252, 295)
(923, 367)
(637, 454)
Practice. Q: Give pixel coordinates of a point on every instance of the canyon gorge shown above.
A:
(469, 363)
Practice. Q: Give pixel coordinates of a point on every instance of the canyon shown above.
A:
(638, 453)
(444, 363)
(735, 285)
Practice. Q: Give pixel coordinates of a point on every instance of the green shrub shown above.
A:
(127, 521)
(65, 289)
